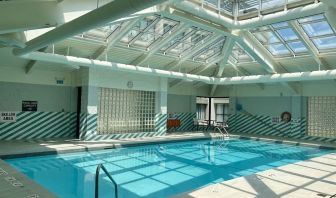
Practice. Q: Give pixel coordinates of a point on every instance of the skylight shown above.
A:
(319, 32)
(280, 40)
(244, 9)
(210, 52)
(239, 55)
(148, 31)
(102, 33)
(186, 41)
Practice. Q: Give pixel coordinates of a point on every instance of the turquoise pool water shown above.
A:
(159, 170)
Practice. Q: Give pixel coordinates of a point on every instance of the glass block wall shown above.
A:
(125, 111)
(321, 120)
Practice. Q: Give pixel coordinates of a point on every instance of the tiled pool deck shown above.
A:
(310, 178)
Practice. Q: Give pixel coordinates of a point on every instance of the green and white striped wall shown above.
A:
(88, 129)
(39, 125)
(262, 125)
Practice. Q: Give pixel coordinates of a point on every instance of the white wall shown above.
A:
(38, 76)
(50, 98)
(181, 103)
(113, 79)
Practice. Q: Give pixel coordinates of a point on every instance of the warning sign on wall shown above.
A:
(7, 117)
(29, 105)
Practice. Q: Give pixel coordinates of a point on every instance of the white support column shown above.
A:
(308, 44)
(125, 28)
(160, 43)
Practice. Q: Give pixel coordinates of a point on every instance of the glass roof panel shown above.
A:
(186, 41)
(211, 51)
(325, 43)
(139, 28)
(246, 6)
(317, 29)
(154, 32)
(227, 6)
(287, 34)
(280, 25)
(266, 37)
(311, 18)
(267, 4)
(298, 47)
(240, 55)
(101, 33)
(278, 49)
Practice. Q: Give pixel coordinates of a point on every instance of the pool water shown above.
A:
(161, 170)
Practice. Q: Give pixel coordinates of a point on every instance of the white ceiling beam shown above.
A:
(115, 38)
(260, 54)
(308, 43)
(160, 43)
(99, 17)
(109, 66)
(27, 15)
(195, 21)
(30, 65)
(247, 42)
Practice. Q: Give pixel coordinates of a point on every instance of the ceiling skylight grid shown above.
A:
(280, 40)
(250, 8)
(101, 33)
(221, 5)
(210, 52)
(239, 55)
(186, 41)
(319, 32)
(148, 31)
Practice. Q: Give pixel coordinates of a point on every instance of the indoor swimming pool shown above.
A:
(161, 170)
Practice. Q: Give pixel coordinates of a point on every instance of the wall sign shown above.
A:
(7, 117)
(29, 105)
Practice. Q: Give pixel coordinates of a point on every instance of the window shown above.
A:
(125, 111)
(201, 111)
(222, 112)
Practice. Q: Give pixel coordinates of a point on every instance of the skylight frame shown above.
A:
(185, 41)
(314, 19)
(214, 48)
(238, 53)
(145, 36)
(284, 43)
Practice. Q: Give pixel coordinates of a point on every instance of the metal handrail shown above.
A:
(101, 166)
(226, 134)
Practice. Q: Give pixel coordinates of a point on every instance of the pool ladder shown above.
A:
(224, 133)
(101, 166)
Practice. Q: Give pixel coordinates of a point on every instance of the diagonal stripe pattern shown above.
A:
(40, 125)
(262, 125)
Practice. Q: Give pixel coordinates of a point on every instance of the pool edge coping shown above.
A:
(152, 142)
